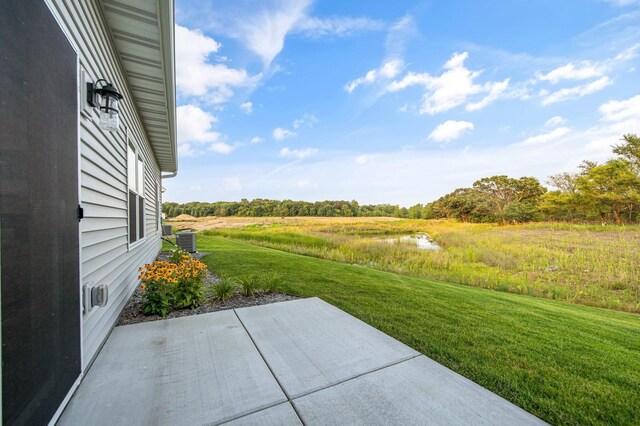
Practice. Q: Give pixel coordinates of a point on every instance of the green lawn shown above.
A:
(565, 363)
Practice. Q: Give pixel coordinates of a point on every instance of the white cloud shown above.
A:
(544, 138)
(263, 26)
(622, 3)
(264, 32)
(622, 110)
(186, 150)
(627, 54)
(195, 128)
(393, 64)
(364, 158)
(387, 71)
(336, 26)
(195, 76)
(452, 88)
(256, 139)
(583, 71)
(588, 70)
(247, 107)
(220, 148)
(232, 184)
(280, 133)
(410, 79)
(195, 125)
(576, 91)
(555, 121)
(495, 89)
(297, 153)
(302, 184)
(399, 32)
(307, 120)
(457, 85)
(450, 130)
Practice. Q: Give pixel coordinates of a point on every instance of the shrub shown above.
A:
(224, 288)
(249, 285)
(167, 285)
(271, 282)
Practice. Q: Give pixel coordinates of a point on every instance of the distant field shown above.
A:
(568, 364)
(590, 265)
(213, 222)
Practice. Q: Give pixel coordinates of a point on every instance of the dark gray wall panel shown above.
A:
(38, 207)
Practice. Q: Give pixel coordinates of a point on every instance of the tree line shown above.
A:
(600, 193)
(263, 207)
(607, 192)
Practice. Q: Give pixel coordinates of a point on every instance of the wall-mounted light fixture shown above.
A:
(105, 97)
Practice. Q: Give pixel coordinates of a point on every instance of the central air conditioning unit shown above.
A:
(167, 230)
(186, 241)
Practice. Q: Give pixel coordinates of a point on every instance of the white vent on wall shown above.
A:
(186, 241)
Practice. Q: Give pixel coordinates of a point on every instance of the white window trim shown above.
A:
(158, 217)
(139, 241)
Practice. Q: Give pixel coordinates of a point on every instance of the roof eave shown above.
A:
(166, 23)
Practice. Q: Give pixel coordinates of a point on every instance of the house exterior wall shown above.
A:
(105, 253)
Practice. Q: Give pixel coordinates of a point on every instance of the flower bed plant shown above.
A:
(171, 285)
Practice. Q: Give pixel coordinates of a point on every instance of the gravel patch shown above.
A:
(132, 312)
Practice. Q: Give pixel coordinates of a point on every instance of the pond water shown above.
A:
(421, 241)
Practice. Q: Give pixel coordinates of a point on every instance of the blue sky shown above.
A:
(396, 102)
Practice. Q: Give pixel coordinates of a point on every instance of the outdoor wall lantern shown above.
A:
(105, 97)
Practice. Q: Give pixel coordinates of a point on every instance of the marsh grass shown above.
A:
(596, 265)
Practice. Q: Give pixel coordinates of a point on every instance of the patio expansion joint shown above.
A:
(339, 382)
(289, 400)
(250, 413)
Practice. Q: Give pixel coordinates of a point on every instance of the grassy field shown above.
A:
(567, 364)
(591, 265)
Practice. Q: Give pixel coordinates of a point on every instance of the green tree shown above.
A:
(564, 182)
(611, 191)
(502, 191)
(629, 150)
(415, 212)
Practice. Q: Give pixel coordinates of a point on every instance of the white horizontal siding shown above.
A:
(106, 257)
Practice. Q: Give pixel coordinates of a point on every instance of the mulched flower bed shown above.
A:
(132, 312)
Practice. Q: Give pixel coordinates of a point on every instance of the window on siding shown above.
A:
(135, 170)
(158, 206)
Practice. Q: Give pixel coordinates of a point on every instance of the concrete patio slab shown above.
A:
(288, 363)
(280, 415)
(310, 344)
(202, 369)
(417, 391)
